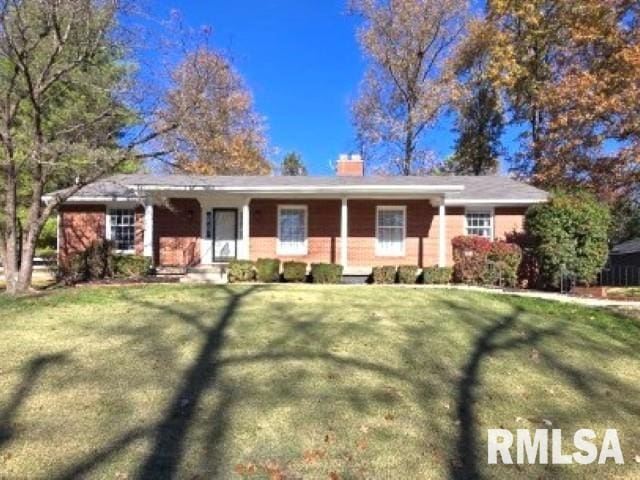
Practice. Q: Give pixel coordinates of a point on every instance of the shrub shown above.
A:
(326, 273)
(470, 259)
(73, 269)
(386, 274)
(437, 275)
(294, 271)
(407, 273)
(568, 235)
(94, 263)
(131, 266)
(268, 270)
(241, 271)
(504, 263)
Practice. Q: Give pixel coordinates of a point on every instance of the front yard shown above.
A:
(304, 381)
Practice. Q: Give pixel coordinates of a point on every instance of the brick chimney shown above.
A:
(350, 166)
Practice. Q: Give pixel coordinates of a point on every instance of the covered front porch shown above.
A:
(357, 231)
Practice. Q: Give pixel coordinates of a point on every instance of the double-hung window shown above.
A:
(121, 229)
(479, 222)
(390, 230)
(292, 230)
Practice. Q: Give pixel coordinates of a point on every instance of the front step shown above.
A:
(214, 274)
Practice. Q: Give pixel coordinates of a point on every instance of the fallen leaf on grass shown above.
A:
(248, 469)
(535, 356)
(361, 444)
(311, 456)
(334, 476)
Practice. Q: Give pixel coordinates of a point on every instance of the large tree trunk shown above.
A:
(11, 234)
(409, 146)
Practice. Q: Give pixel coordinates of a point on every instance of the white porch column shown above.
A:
(344, 235)
(442, 235)
(246, 248)
(148, 230)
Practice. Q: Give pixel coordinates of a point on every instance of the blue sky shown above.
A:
(302, 62)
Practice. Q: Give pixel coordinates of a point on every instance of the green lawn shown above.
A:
(198, 382)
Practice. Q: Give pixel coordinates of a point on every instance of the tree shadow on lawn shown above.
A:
(35, 368)
(303, 339)
(512, 332)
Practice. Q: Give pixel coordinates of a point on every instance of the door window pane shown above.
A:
(292, 230)
(390, 231)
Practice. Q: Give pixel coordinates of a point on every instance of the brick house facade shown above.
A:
(350, 219)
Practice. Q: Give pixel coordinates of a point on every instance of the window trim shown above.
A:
(378, 250)
(107, 222)
(492, 216)
(281, 249)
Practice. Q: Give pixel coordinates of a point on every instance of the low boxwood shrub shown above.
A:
(241, 271)
(326, 273)
(437, 275)
(385, 274)
(407, 273)
(131, 266)
(268, 270)
(294, 271)
(470, 259)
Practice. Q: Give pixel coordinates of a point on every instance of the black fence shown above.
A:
(610, 276)
(619, 276)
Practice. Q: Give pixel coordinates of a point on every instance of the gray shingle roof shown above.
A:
(625, 248)
(487, 188)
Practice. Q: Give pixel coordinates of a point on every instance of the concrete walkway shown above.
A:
(591, 302)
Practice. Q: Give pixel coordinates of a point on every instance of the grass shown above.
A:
(177, 381)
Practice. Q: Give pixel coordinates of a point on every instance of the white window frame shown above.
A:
(380, 252)
(484, 211)
(108, 226)
(282, 249)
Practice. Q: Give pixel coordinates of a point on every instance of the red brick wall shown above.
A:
(323, 233)
(177, 233)
(509, 220)
(421, 242)
(80, 225)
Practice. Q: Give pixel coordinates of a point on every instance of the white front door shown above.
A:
(225, 234)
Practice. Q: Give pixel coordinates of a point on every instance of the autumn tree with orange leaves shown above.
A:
(571, 73)
(224, 136)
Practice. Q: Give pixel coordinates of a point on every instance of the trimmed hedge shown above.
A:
(268, 270)
(131, 266)
(385, 274)
(294, 271)
(407, 274)
(326, 273)
(241, 271)
(437, 275)
(98, 262)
